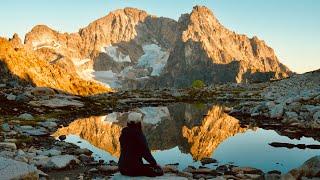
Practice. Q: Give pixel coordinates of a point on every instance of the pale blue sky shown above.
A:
(290, 27)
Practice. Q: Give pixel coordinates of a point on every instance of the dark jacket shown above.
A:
(134, 147)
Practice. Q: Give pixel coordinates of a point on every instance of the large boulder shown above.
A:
(310, 168)
(11, 169)
(61, 161)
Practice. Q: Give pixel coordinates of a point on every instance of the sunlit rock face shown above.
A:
(181, 125)
(18, 63)
(216, 127)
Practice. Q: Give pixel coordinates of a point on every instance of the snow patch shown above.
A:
(51, 45)
(110, 118)
(116, 55)
(154, 57)
(108, 78)
(80, 62)
(154, 115)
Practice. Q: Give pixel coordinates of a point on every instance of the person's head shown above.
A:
(134, 120)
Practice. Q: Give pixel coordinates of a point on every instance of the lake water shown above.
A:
(186, 133)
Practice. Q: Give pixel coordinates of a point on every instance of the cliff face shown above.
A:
(139, 50)
(208, 51)
(23, 65)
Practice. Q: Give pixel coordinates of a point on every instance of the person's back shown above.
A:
(134, 147)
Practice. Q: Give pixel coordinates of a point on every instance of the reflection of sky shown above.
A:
(244, 149)
(252, 149)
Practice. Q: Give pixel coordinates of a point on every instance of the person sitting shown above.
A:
(134, 147)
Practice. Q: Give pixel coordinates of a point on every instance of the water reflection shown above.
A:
(186, 133)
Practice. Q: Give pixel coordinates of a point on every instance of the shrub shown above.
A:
(198, 84)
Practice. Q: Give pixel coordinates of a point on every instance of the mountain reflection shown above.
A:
(195, 129)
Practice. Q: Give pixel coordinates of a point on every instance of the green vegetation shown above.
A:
(198, 84)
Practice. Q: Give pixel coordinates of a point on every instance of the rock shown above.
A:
(276, 111)
(8, 146)
(170, 168)
(113, 163)
(61, 161)
(222, 168)
(5, 127)
(11, 169)
(20, 153)
(50, 152)
(48, 124)
(42, 91)
(274, 172)
(34, 131)
(189, 169)
(85, 158)
(83, 151)
(272, 176)
(247, 170)
(205, 161)
(62, 137)
(168, 176)
(316, 116)
(108, 169)
(11, 97)
(26, 116)
(279, 144)
(310, 168)
(22, 98)
(291, 115)
(2, 85)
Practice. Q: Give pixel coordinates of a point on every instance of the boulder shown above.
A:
(5, 127)
(61, 161)
(48, 124)
(208, 161)
(42, 91)
(247, 170)
(8, 146)
(316, 116)
(50, 152)
(11, 169)
(276, 111)
(310, 168)
(11, 97)
(108, 169)
(26, 116)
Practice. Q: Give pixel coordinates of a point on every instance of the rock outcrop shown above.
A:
(129, 48)
(22, 65)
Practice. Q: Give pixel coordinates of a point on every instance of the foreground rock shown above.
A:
(309, 169)
(11, 169)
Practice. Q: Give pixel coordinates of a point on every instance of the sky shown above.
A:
(290, 27)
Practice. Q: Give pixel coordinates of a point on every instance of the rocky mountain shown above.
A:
(129, 48)
(19, 65)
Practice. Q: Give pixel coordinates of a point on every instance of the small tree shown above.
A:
(198, 84)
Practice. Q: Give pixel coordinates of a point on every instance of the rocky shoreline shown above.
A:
(30, 115)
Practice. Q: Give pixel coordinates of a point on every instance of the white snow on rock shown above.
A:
(153, 115)
(108, 78)
(49, 43)
(80, 62)
(11, 169)
(110, 118)
(115, 54)
(154, 57)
